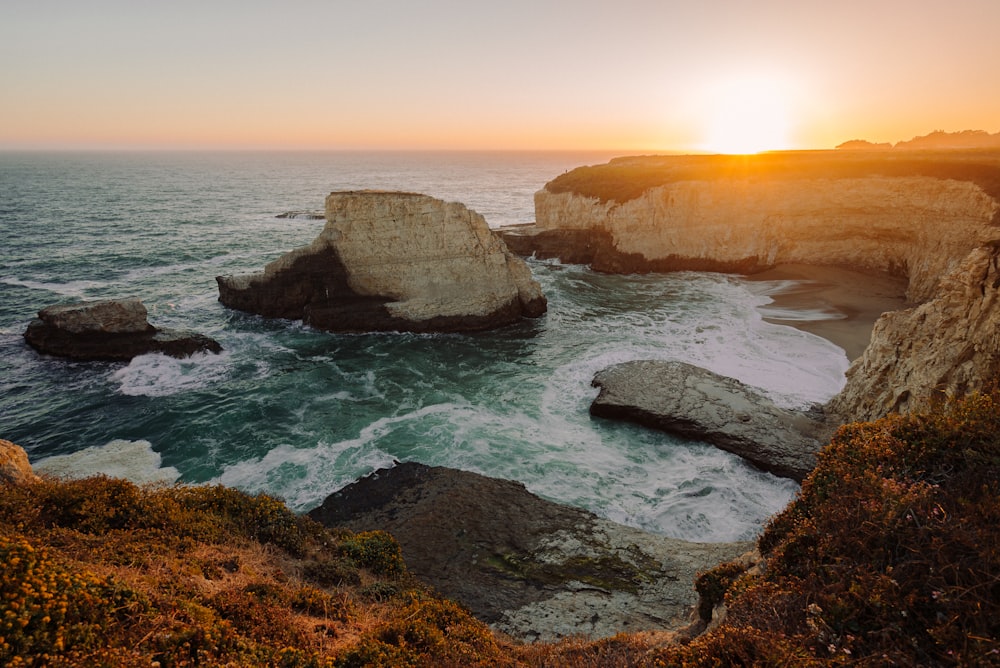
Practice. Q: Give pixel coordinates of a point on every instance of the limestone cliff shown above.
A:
(915, 226)
(945, 347)
(931, 217)
(393, 261)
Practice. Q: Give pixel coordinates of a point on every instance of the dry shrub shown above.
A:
(890, 554)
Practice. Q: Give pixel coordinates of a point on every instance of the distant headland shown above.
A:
(934, 141)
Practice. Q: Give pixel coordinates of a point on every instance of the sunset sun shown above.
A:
(746, 115)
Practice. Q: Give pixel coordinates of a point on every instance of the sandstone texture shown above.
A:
(698, 404)
(529, 567)
(114, 329)
(932, 218)
(945, 347)
(916, 226)
(390, 261)
(14, 466)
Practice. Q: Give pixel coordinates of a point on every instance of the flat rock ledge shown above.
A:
(113, 329)
(695, 403)
(393, 261)
(531, 568)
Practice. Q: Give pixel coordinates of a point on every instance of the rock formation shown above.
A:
(695, 403)
(529, 567)
(393, 261)
(114, 329)
(945, 347)
(14, 466)
(933, 218)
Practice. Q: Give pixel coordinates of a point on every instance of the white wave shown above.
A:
(132, 460)
(159, 375)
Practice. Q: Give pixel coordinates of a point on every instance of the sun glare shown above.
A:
(746, 115)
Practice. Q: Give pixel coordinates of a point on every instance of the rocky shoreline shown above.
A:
(538, 570)
(533, 569)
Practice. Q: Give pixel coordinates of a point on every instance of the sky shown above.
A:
(631, 75)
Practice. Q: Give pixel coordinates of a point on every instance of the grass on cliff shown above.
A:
(625, 179)
(890, 555)
(99, 572)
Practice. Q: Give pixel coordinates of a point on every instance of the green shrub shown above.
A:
(375, 550)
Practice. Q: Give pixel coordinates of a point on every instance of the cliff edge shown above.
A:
(932, 218)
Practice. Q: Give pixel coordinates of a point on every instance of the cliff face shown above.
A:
(933, 218)
(919, 227)
(946, 347)
(393, 261)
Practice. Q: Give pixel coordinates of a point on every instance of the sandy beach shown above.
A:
(849, 302)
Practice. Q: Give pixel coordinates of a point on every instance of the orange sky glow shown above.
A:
(634, 75)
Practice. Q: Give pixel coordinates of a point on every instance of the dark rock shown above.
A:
(114, 329)
(307, 215)
(596, 248)
(695, 403)
(532, 568)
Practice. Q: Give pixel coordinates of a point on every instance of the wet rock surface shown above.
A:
(114, 329)
(532, 568)
(695, 403)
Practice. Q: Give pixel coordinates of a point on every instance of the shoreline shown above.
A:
(846, 302)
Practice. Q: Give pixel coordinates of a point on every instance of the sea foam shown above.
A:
(158, 375)
(133, 460)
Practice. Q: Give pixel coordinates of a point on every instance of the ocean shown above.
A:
(298, 413)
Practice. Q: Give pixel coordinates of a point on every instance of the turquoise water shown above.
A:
(300, 413)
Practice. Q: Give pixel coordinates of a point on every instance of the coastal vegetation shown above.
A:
(890, 555)
(625, 179)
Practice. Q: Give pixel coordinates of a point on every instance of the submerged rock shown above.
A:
(695, 403)
(114, 329)
(531, 568)
(393, 261)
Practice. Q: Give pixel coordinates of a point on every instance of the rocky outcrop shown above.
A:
(945, 347)
(114, 329)
(529, 567)
(14, 466)
(920, 227)
(931, 218)
(393, 261)
(695, 403)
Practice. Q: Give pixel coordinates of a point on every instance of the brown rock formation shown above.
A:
(531, 568)
(393, 261)
(945, 347)
(114, 329)
(14, 466)
(931, 217)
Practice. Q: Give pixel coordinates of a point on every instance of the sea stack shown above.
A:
(110, 329)
(393, 261)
